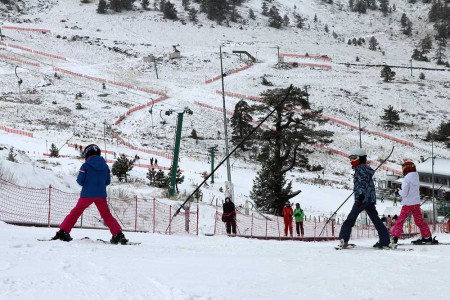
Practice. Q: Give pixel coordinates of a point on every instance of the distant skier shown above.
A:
(94, 176)
(299, 214)
(411, 206)
(365, 199)
(287, 213)
(229, 216)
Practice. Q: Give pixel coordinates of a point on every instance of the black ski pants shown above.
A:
(346, 229)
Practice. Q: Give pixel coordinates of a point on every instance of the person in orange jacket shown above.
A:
(287, 213)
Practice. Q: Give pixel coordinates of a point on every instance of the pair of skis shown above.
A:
(97, 240)
(354, 246)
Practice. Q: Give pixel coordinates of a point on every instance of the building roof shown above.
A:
(441, 166)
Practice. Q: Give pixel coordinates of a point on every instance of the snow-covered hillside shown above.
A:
(65, 66)
(72, 50)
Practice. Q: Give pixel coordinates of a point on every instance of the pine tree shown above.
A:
(127, 4)
(286, 20)
(169, 11)
(265, 9)
(275, 20)
(251, 14)
(391, 116)
(384, 7)
(387, 74)
(11, 156)
(185, 4)
(193, 15)
(101, 8)
(269, 190)
(121, 167)
(54, 152)
(151, 175)
(179, 179)
(440, 51)
(287, 144)
(161, 180)
(300, 21)
(116, 5)
(373, 43)
(241, 124)
(145, 4)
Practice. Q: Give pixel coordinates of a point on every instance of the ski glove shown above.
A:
(359, 200)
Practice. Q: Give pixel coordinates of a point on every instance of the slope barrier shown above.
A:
(48, 207)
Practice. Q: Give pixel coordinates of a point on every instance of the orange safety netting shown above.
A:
(49, 206)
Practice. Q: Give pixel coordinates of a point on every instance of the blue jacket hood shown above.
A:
(98, 163)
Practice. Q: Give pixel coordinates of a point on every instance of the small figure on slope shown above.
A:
(229, 216)
(287, 213)
(411, 206)
(365, 199)
(299, 214)
(94, 176)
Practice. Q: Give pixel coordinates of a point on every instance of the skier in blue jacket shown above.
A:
(94, 176)
(365, 199)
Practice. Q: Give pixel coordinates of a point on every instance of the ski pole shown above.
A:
(234, 150)
(335, 212)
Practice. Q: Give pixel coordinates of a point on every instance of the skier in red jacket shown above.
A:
(287, 214)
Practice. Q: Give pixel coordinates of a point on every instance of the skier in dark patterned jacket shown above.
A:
(365, 199)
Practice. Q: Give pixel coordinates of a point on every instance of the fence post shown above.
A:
(197, 220)
(135, 213)
(187, 217)
(251, 227)
(49, 203)
(154, 215)
(215, 221)
(315, 227)
(278, 225)
(170, 223)
(266, 229)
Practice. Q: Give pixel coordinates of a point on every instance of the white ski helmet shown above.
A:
(358, 152)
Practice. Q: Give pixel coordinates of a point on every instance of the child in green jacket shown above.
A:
(299, 214)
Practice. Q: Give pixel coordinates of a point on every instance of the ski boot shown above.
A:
(342, 244)
(394, 242)
(119, 239)
(63, 236)
(423, 241)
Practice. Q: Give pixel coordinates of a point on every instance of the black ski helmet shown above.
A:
(90, 150)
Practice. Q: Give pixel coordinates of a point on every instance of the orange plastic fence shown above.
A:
(16, 131)
(318, 57)
(26, 29)
(228, 73)
(49, 206)
(20, 60)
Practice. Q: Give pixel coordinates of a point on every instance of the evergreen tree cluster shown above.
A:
(361, 6)
(356, 42)
(221, 11)
(115, 5)
(387, 74)
(121, 167)
(423, 49)
(158, 178)
(406, 25)
(441, 134)
(391, 116)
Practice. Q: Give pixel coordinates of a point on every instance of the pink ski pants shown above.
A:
(82, 204)
(413, 210)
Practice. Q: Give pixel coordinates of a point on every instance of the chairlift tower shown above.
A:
(176, 151)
